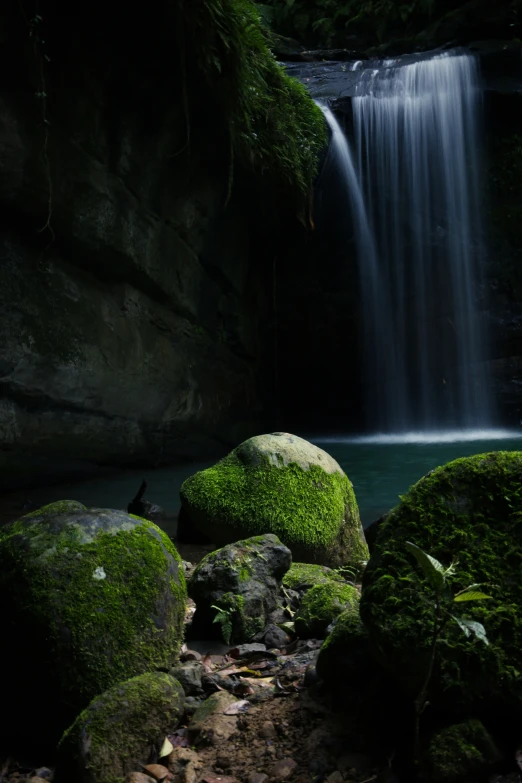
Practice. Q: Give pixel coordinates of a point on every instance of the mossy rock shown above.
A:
(321, 605)
(58, 507)
(89, 598)
(279, 484)
(461, 753)
(116, 732)
(344, 656)
(470, 509)
(243, 580)
(302, 576)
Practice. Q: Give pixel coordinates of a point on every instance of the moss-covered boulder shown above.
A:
(321, 605)
(469, 509)
(89, 598)
(117, 731)
(462, 753)
(280, 484)
(242, 580)
(344, 656)
(303, 576)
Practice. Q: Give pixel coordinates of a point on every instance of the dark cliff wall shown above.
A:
(134, 305)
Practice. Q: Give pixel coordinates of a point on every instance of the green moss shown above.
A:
(321, 605)
(470, 509)
(114, 734)
(275, 127)
(306, 508)
(305, 575)
(99, 594)
(460, 753)
(58, 507)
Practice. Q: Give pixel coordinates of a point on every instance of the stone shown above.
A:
(189, 674)
(283, 769)
(273, 637)
(335, 777)
(139, 777)
(279, 484)
(321, 605)
(243, 581)
(114, 734)
(302, 576)
(257, 777)
(464, 751)
(469, 510)
(156, 771)
(44, 772)
(268, 730)
(209, 724)
(107, 593)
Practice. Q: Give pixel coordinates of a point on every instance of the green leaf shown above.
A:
(471, 626)
(432, 569)
(469, 594)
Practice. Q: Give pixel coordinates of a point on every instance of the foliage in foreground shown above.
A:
(442, 604)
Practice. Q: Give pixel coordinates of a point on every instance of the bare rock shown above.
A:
(283, 769)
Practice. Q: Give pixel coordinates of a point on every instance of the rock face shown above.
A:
(92, 598)
(280, 484)
(469, 509)
(132, 302)
(321, 605)
(114, 735)
(243, 580)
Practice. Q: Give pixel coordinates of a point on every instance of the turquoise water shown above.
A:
(383, 467)
(380, 467)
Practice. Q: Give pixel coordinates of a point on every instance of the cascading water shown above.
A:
(415, 198)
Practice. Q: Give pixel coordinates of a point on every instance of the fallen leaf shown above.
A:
(166, 748)
(263, 682)
(237, 707)
(207, 662)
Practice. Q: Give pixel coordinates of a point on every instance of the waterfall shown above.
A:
(415, 201)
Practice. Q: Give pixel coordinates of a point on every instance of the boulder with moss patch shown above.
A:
(89, 598)
(462, 753)
(280, 484)
(303, 576)
(469, 509)
(243, 581)
(117, 731)
(321, 605)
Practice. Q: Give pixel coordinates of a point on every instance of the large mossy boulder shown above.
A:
(321, 605)
(279, 484)
(469, 510)
(115, 734)
(89, 597)
(243, 580)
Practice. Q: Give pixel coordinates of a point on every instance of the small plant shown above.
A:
(224, 618)
(352, 574)
(443, 600)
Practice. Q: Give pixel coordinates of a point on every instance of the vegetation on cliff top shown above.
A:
(274, 124)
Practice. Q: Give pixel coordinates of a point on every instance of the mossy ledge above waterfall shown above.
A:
(274, 124)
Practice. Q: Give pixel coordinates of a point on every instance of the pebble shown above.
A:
(44, 772)
(156, 771)
(283, 769)
(268, 730)
(335, 777)
(257, 777)
(138, 777)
